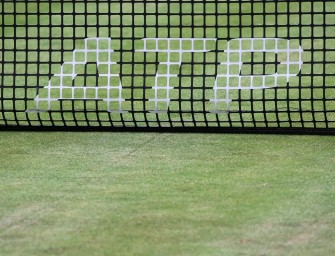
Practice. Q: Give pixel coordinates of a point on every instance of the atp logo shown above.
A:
(243, 64)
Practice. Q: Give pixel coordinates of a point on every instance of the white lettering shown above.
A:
(270, 75)
(248, 64)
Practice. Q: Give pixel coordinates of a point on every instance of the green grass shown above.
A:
(166, 194)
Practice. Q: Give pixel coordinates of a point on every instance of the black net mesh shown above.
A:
(205, 65)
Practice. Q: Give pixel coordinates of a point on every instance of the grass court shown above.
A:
(68, 193)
